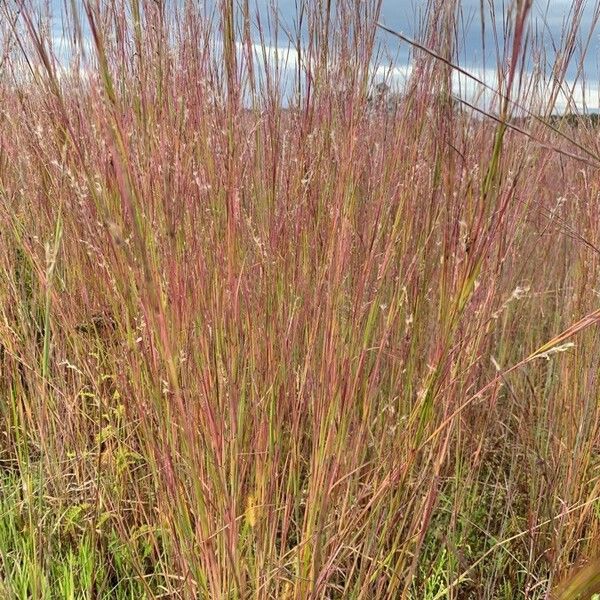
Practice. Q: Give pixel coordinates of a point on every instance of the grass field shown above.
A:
(261, 338)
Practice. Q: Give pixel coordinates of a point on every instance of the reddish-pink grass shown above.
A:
(301, 347)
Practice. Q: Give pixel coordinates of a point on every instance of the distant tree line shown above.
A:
(383, 98)
(588, 120)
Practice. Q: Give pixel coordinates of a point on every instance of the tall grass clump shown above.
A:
(263, 337)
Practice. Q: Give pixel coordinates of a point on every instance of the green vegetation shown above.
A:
(260, 340)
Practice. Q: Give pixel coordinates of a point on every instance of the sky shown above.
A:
(547, 17)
